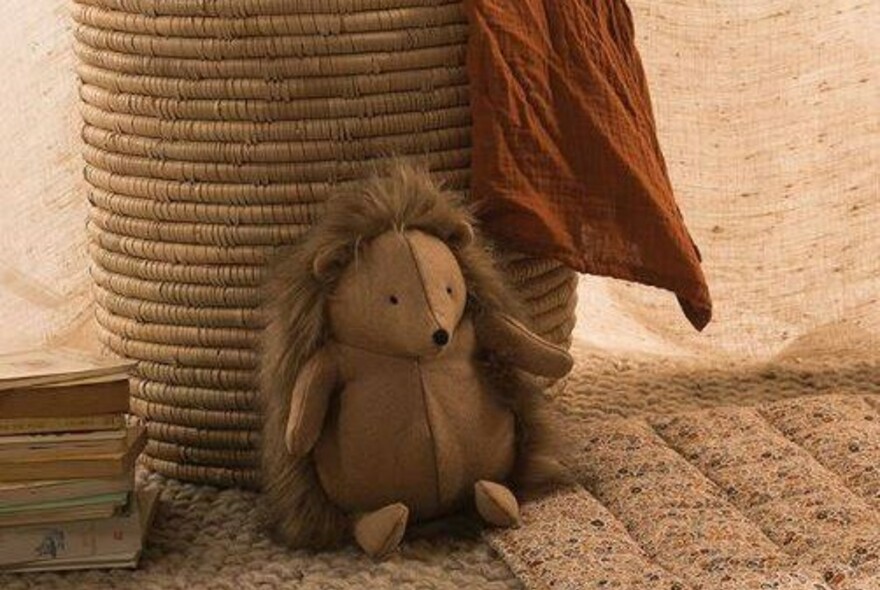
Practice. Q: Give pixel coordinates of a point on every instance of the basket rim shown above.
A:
(189, 212)
(219, 476)
(556, 318)
(285, 23)
(520, 269)
(350, 128)
(202, 437)
(180, 253)
(187, 356)
(557, 298)
(158, 312)
(310, 172)
(558, 279)
(276, 46)
(159, 333)
(262, 89)
(170, 191)
(275, 68)
(151, 270)
(175, 293)
(208, 377)
(232, 458)
(211, 234)
(244, 8)
(195, 417)
(274, 153)
(268, 111)
(561, 334)
(195, 397)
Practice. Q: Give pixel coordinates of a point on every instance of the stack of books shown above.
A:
(67, 455)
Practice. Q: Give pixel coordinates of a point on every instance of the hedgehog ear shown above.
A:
(327, 263)
(461, 235)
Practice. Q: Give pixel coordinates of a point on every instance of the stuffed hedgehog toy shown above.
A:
(394, 373)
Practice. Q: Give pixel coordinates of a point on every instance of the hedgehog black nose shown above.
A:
(440, 337)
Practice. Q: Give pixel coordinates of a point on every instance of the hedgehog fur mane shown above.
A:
(294, 505)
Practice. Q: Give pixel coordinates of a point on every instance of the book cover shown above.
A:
(85, 508)
(117, 499)
(40, 491)
(59, 515)
(125, 560)
(109, 542)
(59, 446)
(15, 426)
(53, 365)
(66, 400)
(79, 466)
(28, 440)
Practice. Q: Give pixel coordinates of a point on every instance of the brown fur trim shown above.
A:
(295, 506)
(405, 197)
(544, 452)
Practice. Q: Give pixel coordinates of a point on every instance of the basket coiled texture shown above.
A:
(213, 132)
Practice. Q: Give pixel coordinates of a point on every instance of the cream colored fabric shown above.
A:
(43, 280)
(768, 115)
(767, 112)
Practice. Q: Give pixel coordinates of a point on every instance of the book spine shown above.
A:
(60, 451)
(118, 498)
(34, 492)
(73, 540)
(10, 426)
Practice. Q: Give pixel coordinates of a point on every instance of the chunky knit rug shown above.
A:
(692, 477)
(208, 539)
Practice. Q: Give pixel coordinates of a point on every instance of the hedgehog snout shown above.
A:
(440, 337)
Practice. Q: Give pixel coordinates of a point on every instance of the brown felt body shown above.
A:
(394, 415)
(394, 371)
(419, 432)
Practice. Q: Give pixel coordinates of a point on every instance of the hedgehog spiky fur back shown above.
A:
(295, 505)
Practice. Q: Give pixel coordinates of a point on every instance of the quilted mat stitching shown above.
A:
(794, 521)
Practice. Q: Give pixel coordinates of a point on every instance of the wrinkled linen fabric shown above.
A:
(566, 161)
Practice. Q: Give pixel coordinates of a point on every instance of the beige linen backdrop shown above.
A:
(768, 115)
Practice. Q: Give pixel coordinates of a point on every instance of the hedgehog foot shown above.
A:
(380, 532)
(496, 504)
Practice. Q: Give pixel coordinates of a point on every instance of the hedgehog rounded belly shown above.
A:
(422, 442)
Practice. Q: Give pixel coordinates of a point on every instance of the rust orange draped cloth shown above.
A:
(566, 160)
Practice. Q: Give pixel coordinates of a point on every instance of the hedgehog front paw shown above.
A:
(380, 532)
(496, 504)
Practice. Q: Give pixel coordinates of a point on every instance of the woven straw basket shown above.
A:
(213, 132)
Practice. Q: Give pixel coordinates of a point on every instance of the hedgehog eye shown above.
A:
(449, 290)
(394, 300)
